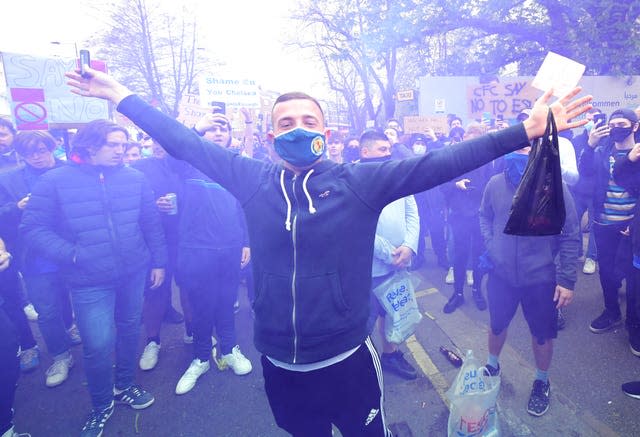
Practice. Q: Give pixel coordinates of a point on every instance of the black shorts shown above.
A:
(538, 307)
(347, 394)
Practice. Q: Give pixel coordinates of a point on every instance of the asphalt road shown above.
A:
(586, 374)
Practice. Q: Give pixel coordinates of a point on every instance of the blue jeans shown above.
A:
(108, 314)
(50, 297)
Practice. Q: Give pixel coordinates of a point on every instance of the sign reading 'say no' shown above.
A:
(40, 95)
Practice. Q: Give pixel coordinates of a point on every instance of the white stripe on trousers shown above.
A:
(376, 363)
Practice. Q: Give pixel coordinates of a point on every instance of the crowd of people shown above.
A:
(98, 241)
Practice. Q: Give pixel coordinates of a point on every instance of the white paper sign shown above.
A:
(558, 72)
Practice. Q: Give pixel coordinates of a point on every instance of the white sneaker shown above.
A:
(149, 357)
(449, 278)
(470, 278)
(589, 267)
(59, 371)
(196, 369)
(11, 432)
(31, 313)
(238, 362)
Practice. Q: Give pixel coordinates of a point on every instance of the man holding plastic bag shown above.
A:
(396, 242)
(526, 272)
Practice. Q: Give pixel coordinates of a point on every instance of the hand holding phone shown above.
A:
(85, 60)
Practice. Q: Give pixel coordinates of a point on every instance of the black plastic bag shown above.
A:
(538, 205)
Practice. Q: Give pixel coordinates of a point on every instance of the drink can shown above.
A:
(171, 197)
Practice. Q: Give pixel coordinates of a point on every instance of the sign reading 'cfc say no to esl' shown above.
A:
(507, 98)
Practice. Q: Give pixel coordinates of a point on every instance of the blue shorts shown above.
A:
(538, 307)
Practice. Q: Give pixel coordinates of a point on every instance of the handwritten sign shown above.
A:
(45, 77)
(29, 110)
(190, 110)
(419, 124)
(558, 72)
(233, 91)
(505, 98)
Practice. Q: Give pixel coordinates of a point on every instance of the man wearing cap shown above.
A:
(312, 295)
(614, 208)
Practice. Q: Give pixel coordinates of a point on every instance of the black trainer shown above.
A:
(135, 397)
(632, 389)
(455, 301)
(605, 322)
(493, 371)
(539, 399)
(96, 421)
(395, 362)
(478, 299)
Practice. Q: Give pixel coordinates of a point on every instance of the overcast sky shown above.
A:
(247, 35)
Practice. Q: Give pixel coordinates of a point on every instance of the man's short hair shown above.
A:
(93, 136)
(297, 95)
(370, 137)
(26, 142)
(7, 124)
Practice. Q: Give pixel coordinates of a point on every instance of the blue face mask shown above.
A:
(300, 147)
(514, 165)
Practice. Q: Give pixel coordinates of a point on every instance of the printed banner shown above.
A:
(233, 91)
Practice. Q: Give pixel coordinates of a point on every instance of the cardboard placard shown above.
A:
(500, 98)
(419, 124)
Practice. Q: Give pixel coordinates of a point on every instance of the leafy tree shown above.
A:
(363, 43)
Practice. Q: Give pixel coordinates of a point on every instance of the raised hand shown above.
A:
(564, 110)
(97, 84)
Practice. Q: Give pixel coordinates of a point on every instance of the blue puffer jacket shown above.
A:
(98, 223)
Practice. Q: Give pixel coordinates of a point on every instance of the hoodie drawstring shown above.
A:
(312, 210)
(287, 223)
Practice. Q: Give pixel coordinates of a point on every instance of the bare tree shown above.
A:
(153, 50)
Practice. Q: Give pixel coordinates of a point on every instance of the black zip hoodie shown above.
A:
(312, 235)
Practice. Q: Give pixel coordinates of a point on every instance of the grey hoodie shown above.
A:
(524, 261)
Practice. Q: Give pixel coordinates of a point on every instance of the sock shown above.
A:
(155, 338)
(542, 375)
(492, 360)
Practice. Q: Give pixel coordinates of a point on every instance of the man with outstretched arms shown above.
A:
(312, 295)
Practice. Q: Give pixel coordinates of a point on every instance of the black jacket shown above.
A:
(98, 223)
(312, 235)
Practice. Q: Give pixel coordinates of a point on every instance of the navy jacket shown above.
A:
(627, 175)
(98, 223)
(15, 185)
(312, 235)
(524, 261)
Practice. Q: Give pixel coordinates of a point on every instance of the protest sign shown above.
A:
(40, 96)
(190, 110)
(558, 73)
(232, 90)
(500, 98)
(419, 124)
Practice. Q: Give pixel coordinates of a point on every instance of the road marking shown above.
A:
(427, 292)
(428, 368)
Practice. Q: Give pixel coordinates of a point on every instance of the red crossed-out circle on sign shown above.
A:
(30, 112)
